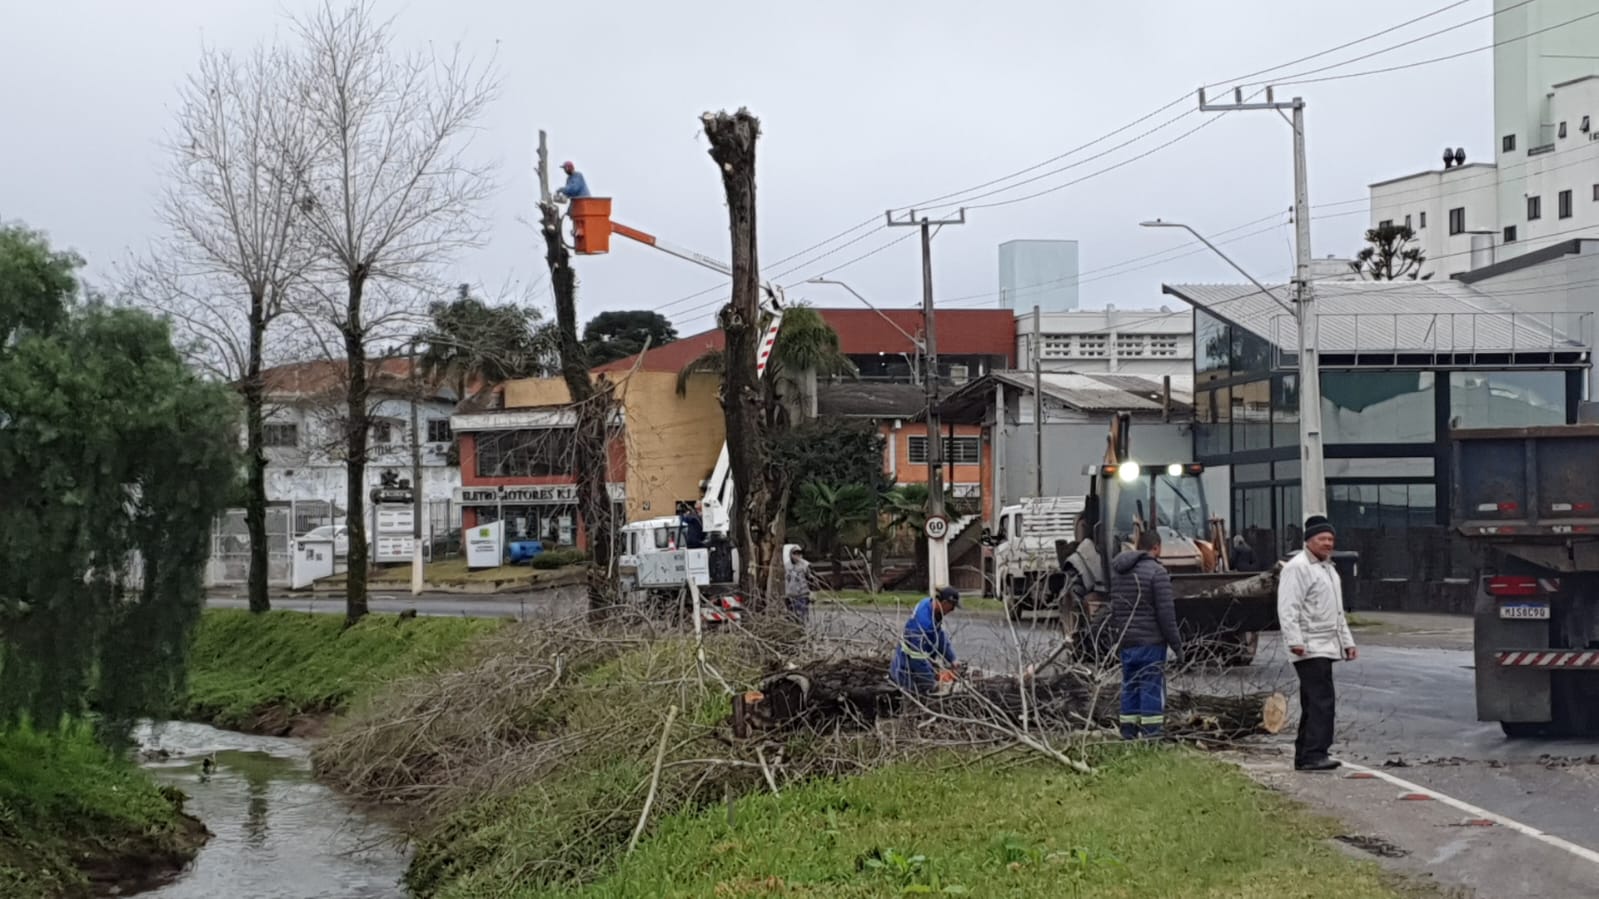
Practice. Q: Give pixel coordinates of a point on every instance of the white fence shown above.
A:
(230, 539)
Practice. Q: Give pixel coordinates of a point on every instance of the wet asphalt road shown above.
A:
(1406, 707)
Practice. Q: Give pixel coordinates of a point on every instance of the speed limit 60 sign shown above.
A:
(937, 527)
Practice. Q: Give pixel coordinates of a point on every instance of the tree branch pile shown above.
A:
(854, 693)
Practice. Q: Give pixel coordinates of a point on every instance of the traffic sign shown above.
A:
(937, 527)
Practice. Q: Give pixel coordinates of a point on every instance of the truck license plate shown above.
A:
(1524, 610)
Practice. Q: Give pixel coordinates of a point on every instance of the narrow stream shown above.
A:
(277, 834)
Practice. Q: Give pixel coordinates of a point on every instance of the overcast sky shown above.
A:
(865, 105)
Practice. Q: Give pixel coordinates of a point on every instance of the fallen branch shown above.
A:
(655, 781)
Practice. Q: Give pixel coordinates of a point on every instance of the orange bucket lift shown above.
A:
(591, 225)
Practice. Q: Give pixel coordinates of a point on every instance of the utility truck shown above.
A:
(656, 565)
(1527, 500)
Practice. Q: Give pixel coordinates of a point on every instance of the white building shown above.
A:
(305, 474)
(1116, 341)
(1543, 185)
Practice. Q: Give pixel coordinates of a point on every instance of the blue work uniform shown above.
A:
(923, 651)
(574, 187)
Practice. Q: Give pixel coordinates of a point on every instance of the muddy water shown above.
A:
(277, 833)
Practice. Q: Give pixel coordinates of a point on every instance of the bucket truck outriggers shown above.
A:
(656, 564)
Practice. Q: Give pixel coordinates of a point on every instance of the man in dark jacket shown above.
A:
(1143, 620)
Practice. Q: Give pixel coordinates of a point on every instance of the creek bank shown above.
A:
(290, 673)
(77, 819)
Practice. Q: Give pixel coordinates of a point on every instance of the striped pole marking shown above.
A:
(1482, 814)
(764, 352)
(1548, 659)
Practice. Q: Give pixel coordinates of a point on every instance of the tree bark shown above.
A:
(594, 406)
(758, 522)
(355, 605)
(255, 501)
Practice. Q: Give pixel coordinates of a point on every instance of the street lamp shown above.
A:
(1312, 482)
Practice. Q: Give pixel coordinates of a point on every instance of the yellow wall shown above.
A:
(536, 392)
(672, 441)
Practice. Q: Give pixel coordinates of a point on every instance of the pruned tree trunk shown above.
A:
(590, 443)
(356, 436)
(758, 522)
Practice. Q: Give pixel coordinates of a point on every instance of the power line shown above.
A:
(1438, 59)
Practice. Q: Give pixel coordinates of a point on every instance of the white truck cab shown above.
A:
(1024, 552)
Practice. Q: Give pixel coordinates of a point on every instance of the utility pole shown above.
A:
(416, 482)
(1038, 400)
(1313, 481)
(937, 546)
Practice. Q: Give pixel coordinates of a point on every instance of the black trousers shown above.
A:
(1317, 703)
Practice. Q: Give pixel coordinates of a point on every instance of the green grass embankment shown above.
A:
(267, 673)
(1161, 822)
(73, 815)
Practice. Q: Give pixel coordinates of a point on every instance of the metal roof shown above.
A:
(1093, 392)
(1391, 316)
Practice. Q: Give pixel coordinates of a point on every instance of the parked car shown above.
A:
(338, 533)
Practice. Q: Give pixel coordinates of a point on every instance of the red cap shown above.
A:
(568, 166)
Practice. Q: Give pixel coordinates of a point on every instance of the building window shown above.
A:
(1596, 193)
(1407, 221)
(1457, 220)
(1508, 143)
(1534, 208)
(439, 430)
(1385, 223)
(1506, 399)
(1564, 201)
(1162, 346)
(1562, 129)
(382, 432)
(287, 434)
(1421, 221)
(957, 450)
(1510, 234)
(530, 452)
(1377, 407)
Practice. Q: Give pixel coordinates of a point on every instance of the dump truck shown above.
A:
(1527, 500)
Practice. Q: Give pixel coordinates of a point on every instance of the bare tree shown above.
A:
(595, 403)
(234, 248)
(393, 196)
(759, 523)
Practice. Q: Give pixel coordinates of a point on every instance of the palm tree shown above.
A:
(807, 348)
(834, 516)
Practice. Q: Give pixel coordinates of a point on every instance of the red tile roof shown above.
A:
(863, 332)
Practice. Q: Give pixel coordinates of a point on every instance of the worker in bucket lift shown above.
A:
(575, 187)
(925, 659)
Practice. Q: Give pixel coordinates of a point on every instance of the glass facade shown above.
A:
(1506, 399)
(1386, 439)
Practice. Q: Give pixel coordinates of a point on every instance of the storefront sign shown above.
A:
(539, 494)
(485, 546)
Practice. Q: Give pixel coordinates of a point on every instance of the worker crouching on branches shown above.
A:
(1144, 619)
(925, 656)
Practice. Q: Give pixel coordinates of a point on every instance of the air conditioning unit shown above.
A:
(958, 374)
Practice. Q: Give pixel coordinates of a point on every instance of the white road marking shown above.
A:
(1549, 839)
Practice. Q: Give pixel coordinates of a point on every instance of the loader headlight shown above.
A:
(1174, 470)
(1128, 472)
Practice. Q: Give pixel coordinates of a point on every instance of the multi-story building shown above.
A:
(515, 452)
(1401, 364)
(1543, 183)
(1152, 342)
(306, 476)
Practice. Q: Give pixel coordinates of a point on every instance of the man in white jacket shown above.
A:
(1310, 607)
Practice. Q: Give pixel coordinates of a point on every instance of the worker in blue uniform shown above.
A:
(924, 652)
(576, 186)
